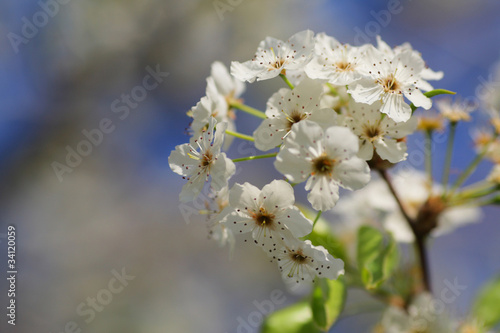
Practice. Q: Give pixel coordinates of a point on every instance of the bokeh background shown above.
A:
(119, 207)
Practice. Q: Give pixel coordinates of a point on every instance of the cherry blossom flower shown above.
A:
(222, 83)
(454, 111)
(421, 316)
(268, 214)
(335, 62)
(300, 262)
(221, 89)
(218, 230)
(378, 133)
(274, 57)
(197, 164)
(326, 158)
(288, 107)
(210, 106)
(426, 73)
(388, 80)
(376, 197)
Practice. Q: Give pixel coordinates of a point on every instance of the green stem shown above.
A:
(449, 152)
(316, 219)
(332, 89)
(240, 136)
(247, 109)
(287, 81)
(428, 155)
(249, 158)
(472, 166)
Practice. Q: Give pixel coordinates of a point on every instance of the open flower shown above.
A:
(287, 108)
(301, 262)
(197, 164)
(425, 74)
(455, 111)
(221, 89)
(388, 80)
(268, 214)
(421, 316)
(378, 133)
(222, 83)
(335, 62)
(376, 197)
(274, 57)
(218, 230)
(326, 158)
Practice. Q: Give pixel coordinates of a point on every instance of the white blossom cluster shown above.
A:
(344, 107)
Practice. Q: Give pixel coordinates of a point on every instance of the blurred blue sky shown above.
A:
(65, 79)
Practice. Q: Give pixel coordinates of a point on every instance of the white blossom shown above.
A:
(421, 316)
(218, 230)
(376, 196)
(338, 63)
(221, 89)
(300, 262)
(426, 73)
(388, 79)
(326, 158)
(378, 133)
(268, 214)
(286, 108)
(196, 162)
(455, 111)
(274, 57)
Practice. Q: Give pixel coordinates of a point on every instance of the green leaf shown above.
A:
(376, 261)
(391, 258)
(433, 93)
(297, 318)
(328, 299)
(322, 236)
(370, 244)
(486, 307)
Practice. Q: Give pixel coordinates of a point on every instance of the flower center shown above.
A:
(323, 165)
(278, 63)
(295, 117)
(264, 219)
(298, 257)
(372, 132)
(206, 159)
(391, 85)
(343, 66)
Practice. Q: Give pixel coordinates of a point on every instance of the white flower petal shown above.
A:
(324, 193)
(244, 197)
(419, 99)
(353, 173)
(340, 142)
(390, 150)
(247, 71)
(222, 169)
(292, 165)
(270, 133)
(295, 221)
(365, 91)
(395, 107)
(277, 195)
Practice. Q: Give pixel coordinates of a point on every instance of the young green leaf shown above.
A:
(296, 318)
(486, 307)
(376, 261)
(327, 302)
(433, 93)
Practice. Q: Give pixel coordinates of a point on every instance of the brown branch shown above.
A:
(420, 237)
